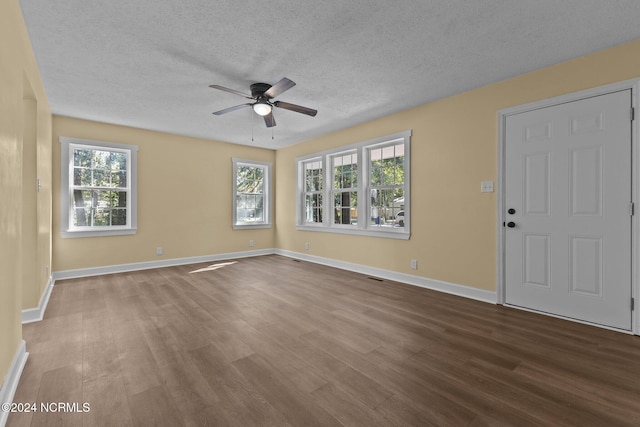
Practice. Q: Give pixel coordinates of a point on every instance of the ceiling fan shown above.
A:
(262, 94)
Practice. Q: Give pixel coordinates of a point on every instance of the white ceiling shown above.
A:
(148, 63)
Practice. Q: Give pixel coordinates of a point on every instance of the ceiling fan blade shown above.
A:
(283, 85)
(233, 91)
(230, 109)
(297, 108)
(269, 120)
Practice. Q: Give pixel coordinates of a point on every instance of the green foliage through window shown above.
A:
(100, 187)
(251, 194)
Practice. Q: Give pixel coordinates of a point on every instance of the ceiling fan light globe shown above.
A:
(261, 108)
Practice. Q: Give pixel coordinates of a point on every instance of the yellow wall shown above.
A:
(25, 153)
(184, 199)
(453, 149)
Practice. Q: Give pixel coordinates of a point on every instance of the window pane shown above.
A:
(251, 201)
(317, 180)
(82, 157)
(101, 217)
(258, 213)
(119, 179)
(82, 199)
(345, 171)
(313, 208)
(118, 217)
(387, 165)
(249, 208)
(346, 211)
(250, 179)
(101, 178)
(117, 199)
(243, 177)
(118, 161)
(388, 171)
(81, 217)
(385, 206)
(313, 176)
(240, 202)
(82, 177)
(101, 159)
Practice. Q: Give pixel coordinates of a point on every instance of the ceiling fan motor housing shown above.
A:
(258, 90)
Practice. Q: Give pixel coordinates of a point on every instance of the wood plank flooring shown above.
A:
(270, 341)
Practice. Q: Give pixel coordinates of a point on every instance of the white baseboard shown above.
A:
(122, 268)
(37, 314)
(12, 379)
(423, 282)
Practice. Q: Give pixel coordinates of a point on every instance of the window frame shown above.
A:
(363, 225)
(333, 191)
(313, 192)
(268, 194)
(67, 187)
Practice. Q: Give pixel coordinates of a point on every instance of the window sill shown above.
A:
(250, 226)
(400, 235)
(98, 233)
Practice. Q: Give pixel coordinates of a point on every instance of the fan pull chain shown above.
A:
(252, 124)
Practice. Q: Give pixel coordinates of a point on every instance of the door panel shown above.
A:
(568, 177)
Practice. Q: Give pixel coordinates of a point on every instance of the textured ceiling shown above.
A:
(148, 63)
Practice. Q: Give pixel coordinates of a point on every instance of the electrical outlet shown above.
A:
(414, 264)
(306, 246)
(250, 243)
(486, 186)
(159, 250)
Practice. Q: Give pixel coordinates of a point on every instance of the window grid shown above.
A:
(345, 188)
(100, 187)
(386, 173)
(313, 197)
(251, 194)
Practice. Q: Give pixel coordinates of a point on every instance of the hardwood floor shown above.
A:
(270, 341)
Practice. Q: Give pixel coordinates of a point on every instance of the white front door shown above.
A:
(568, 210)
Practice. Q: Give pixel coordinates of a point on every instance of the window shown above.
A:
(98, 188)
(251, 194)
(386, 176)
(367, 191)
(345, 188)
(313, 188)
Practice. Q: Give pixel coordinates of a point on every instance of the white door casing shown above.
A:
(568, 175)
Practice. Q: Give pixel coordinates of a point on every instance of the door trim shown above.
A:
(634, 86)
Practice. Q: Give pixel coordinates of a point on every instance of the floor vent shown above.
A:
(377, 279)
(296, 260)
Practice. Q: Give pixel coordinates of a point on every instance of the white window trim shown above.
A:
(68, 231)
(302, 196)
(364, 204)
(268, 194)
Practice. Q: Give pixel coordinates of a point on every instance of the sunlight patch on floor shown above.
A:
(213, 267)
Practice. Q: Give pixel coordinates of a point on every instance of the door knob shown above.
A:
(511, 224)
(511, 211)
